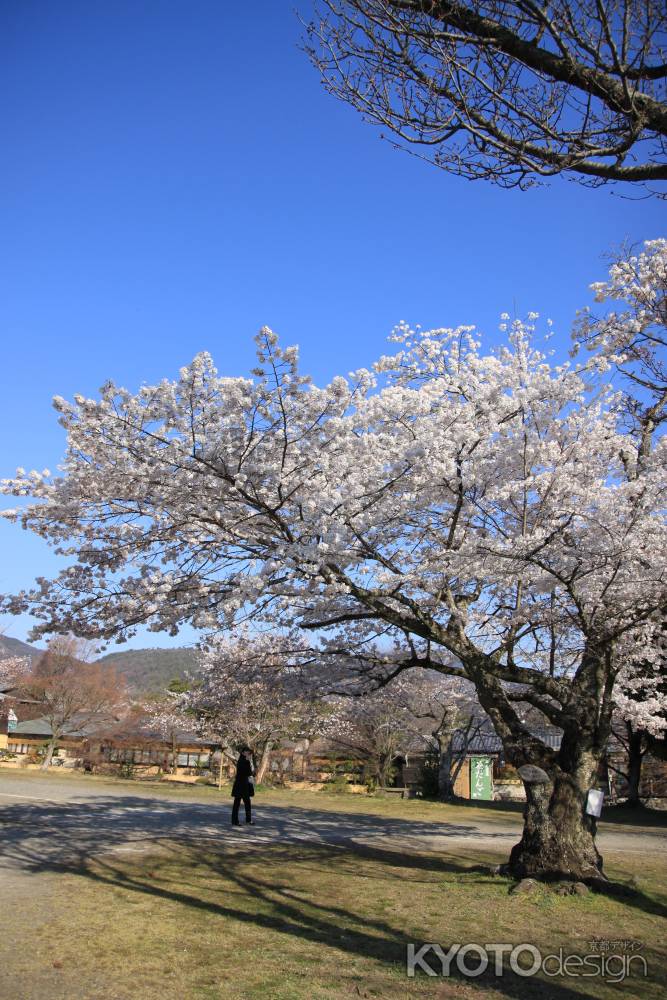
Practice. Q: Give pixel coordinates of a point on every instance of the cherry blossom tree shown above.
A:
(446, 510)
(375, 728)
(170, 716)
(419, 711)
(640, 719)
(248, 693)
(13, 668)
(631, 341)
(449, 714)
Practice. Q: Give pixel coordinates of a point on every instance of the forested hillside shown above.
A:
(149, 671)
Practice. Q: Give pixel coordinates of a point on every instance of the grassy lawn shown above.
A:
(308, 921)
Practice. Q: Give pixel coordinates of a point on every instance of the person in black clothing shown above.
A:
(243, 787)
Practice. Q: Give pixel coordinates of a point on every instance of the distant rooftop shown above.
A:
(41, 727)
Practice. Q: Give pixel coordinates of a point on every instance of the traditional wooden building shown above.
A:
(94, 746)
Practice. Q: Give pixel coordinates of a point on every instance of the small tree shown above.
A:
(420, 711)
(170, 715)
(376, 728)
(248, 694)
(71, 693)
(507, 91)
(448, 709)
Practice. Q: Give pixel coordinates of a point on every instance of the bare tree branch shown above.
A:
(507, 91)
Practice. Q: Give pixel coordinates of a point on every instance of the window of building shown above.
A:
(193, 759)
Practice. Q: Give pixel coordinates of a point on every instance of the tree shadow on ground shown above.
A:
(102, 823)
(81, 838)
(642, 817)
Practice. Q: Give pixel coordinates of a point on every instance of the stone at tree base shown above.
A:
(523, 887)
(572, 889)
(563, 890)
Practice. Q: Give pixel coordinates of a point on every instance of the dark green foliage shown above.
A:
(178, 686)
(338, 785)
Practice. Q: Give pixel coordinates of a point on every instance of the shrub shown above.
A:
(338, 785)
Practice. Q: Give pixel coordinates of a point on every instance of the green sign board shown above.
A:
(481, 778)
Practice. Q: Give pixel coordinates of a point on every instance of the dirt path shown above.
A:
(46, 820)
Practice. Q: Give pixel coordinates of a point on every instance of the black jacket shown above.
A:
(242, 787)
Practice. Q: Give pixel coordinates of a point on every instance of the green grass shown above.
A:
(307, 922)
(311, 922)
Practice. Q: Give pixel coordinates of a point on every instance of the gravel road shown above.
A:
(47, 821)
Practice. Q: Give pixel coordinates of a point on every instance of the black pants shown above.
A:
(235, 808)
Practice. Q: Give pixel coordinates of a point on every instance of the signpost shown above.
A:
(481, 781)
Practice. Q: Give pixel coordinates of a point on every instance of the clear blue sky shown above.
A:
(174, 176)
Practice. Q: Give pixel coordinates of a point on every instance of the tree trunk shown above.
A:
(450, 768)
(634, 776)
(46, 763)
(445, 777)
(263, 764)
(558, 839)
(384, 771)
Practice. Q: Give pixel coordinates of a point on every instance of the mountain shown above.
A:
(150, 671)
(147, 671)
(14, 647)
